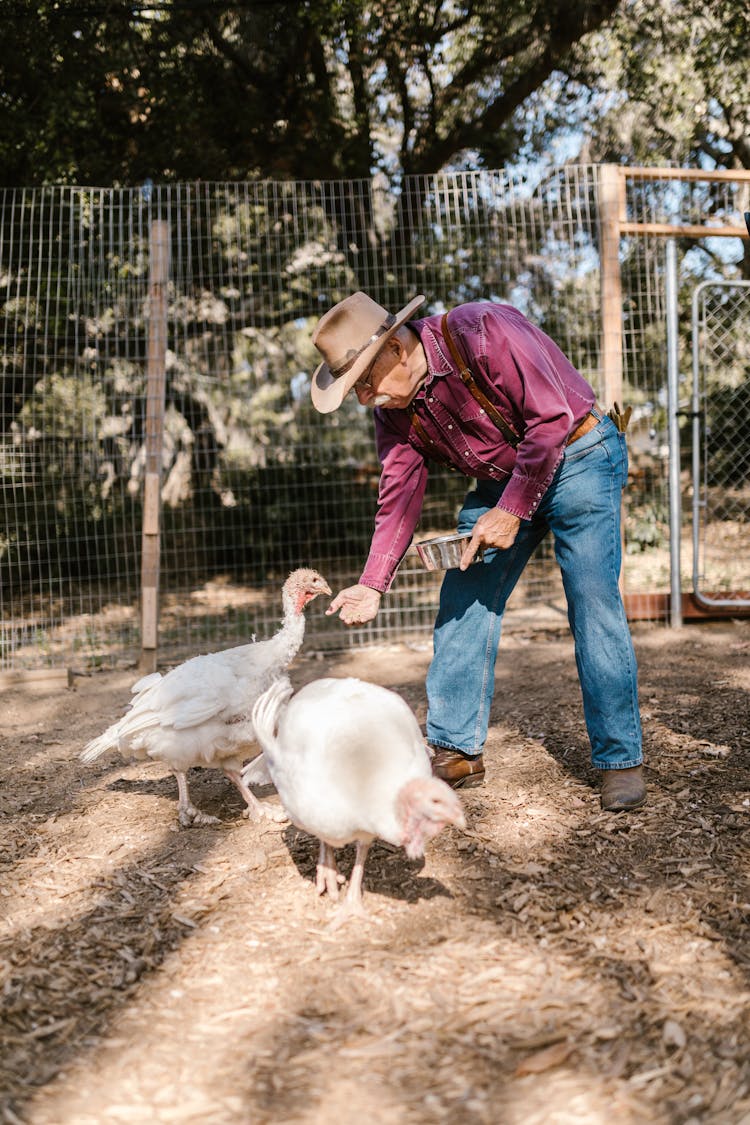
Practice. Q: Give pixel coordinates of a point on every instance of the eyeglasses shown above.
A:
(365, 382)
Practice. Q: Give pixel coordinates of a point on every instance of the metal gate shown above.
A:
(720, 411)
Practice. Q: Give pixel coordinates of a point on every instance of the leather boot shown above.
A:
(623, 790)
(460, 771)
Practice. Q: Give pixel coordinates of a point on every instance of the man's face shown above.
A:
(390, 381)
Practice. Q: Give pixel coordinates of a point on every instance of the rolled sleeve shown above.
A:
(403, 481)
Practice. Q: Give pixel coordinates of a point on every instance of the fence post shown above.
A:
(155, 401)
(673, 406)
(611, 214)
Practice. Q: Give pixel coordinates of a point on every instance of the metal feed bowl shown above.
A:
(444, 551)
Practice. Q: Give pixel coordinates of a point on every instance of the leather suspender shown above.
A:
(419, 427)
(507, 431)
(467, 378)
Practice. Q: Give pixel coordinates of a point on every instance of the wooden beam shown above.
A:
(686, 230)
(639, 172)
(657, 607)
(37, 677)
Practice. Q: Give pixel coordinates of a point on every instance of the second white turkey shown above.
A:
(350, 764)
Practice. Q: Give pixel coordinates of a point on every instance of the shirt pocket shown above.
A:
(472, 413)
(475, 423)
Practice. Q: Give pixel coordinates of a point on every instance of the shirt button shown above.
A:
(450, 427)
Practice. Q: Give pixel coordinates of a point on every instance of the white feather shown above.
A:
(199, 713)
(342, 751)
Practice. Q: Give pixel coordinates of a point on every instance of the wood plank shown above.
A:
(37, 677)
(685, 230)
(641, 172)
(657, 607)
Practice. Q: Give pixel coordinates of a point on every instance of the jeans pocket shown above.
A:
(584, 446)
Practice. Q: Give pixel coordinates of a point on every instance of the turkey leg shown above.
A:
(186, 811)
(353, 899)
(327, 877)
(255, 810)
(352, 906)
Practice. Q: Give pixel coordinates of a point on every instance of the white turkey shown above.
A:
(199, 713)
(350, 764)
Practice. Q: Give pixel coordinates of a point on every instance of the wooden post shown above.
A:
(611, 215)
(155, 399)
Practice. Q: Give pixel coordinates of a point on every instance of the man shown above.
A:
(491, 395)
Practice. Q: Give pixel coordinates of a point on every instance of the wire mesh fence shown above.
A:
(253, 482)
(720, 418)
(695, 210)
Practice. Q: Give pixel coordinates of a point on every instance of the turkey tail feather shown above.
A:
(99, 746)
(266, 712)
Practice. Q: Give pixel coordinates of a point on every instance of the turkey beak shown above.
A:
(458, 819)
(454, 812)
(448, 810)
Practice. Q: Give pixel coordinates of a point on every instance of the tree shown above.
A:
(107, 92)
(671, 84)
(674, 83)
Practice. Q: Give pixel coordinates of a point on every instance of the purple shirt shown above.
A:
(524, 374)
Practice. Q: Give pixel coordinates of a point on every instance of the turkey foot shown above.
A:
(190, 817)
(187, 813)
(346, 911)
(274, 813)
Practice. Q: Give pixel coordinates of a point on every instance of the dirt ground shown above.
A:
(551, 964)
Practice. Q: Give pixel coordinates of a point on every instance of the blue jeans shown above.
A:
(582, 510)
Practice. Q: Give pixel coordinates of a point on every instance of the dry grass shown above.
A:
(550, 965)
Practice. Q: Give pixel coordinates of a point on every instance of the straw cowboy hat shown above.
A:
(349, 337)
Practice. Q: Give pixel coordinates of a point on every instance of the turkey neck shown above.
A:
(292, 631)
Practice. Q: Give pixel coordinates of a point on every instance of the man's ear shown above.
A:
(397, 349)
(394, 346)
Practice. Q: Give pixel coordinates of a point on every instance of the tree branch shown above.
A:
(433, 151)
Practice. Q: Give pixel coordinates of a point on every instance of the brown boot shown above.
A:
(460, 771)
(623, 790)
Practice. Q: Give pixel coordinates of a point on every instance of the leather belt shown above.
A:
(585, 426)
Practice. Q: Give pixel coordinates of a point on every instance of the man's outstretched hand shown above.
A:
(356, 605)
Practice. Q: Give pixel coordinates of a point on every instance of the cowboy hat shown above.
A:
(349, 337)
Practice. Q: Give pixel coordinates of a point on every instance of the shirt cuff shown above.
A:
(522, 496)
(379, 572)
